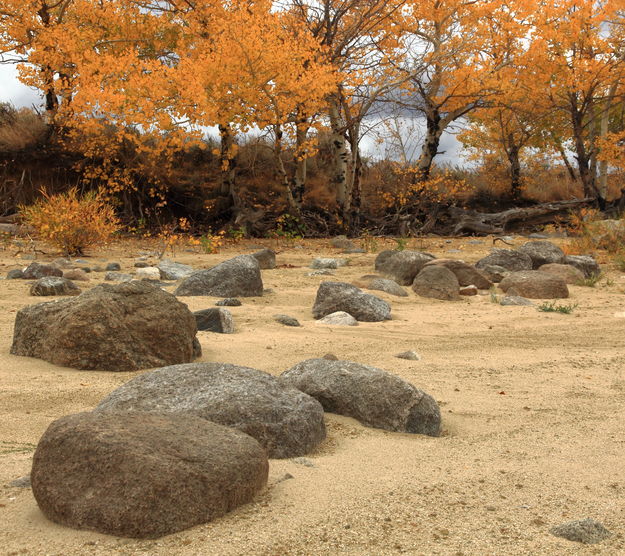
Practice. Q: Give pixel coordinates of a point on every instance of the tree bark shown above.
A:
(227, 160)
(433, 134)
(515, 171)
(340, 159)
(281, 174)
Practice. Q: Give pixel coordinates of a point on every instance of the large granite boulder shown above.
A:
(54, 285)
(437, 282)
(285, 421)
(143, 476)
(123, 327)
(374, 397)
(535, 284)
(401, 266)
(585, 263)
(466, 274)
(542, 252)
(340, 296)
(507, 258)
(237, 277)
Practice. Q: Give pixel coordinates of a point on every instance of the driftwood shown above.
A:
(472, 222)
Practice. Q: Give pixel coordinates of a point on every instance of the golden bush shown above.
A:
(71, 221)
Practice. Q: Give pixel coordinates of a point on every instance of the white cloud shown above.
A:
(14, 92)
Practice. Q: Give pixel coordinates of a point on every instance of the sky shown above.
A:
(17, 94)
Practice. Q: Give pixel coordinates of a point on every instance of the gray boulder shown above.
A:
(494, 273)
(54, 285)
(286, 422)
(15, 274)
(466, 274)
(123, 327)
(112, 267)
(437, 282)
(401, 266)
(373, 282)
(76, 274)
(542, 252)
(114, 276)
(340, 296)
(169, 270)
(585, 263)
(286, 320)
(507, 258)
(237, 277)
(515, 300)
(322, 263)
(266, 258)
(535, 284)
(372, 396)
(143, 476)
(214, 319)
(34, 271)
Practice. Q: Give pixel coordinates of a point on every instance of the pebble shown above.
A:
(286, 320)
(228, 302)
(409, 355)
(304, 461)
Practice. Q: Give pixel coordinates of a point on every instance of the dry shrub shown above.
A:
(20, 129)
(72, 222)
(592, 233)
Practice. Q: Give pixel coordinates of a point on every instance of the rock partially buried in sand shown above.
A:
(535, 285)
(586, 531)
(285, 421)
(324, 263)
(339, 318)
(170, 270)
(123, 327)
(436, 282)
(214, 319)
(372, 396)
(54, 285)
(340, 296)
(237, 277)
(373, 282)
(143, 476)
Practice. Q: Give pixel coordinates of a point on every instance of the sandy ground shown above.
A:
(533, 406)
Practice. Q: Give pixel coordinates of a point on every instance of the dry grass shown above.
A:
(20, 129)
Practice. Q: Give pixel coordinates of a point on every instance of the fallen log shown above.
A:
(473, 222)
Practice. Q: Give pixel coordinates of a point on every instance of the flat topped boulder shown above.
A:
(122, 327)
(340, 296)
(170, 270)
(507, 258)
(542, 252)
(237, 277)
(286, 422)
(374, 397)
(535, 284)
(54, 285)
(143, 476)
(373, 282)
(567, 272)
(401, 266)
(466, 274)
(36, 270)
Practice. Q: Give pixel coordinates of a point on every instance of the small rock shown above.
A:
(475, 242)
(214, 320)
(228, 302)
(34, 271)
(303, 461)
(286, 320)
(339, 318)
(586, 531)
(170, 270)
(330, 357)
(283, 478)
(54, 285)
(148, 273)
(76, 274)
(340, 296)
(324, 272)
(585, 263)
(373, 282)
(266, 258)
(511, 300)
(409, 355)
(535, 284)
(141, 264)
(81, 261)
(494, 272)
(324, 263)
(341, 242)
(468, 290)
(538, 236)
(354, 251)
(15, 274)
(112, 267)
(113, 276)
(22, 482)
(62, 263)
